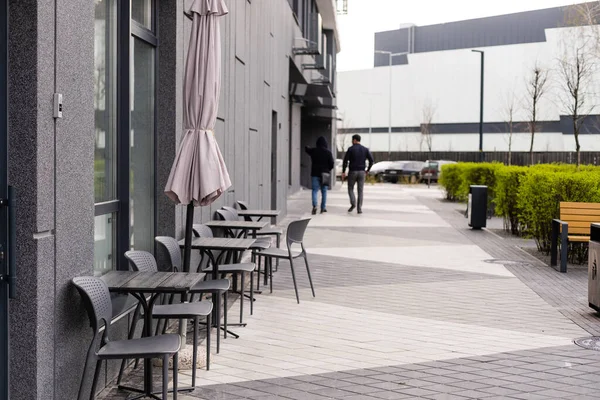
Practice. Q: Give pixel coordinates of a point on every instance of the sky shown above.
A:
(365, 17)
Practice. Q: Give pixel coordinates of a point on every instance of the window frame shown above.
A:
(120, 205)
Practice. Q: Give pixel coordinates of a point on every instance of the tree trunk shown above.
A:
(510, 144)
(576, 136)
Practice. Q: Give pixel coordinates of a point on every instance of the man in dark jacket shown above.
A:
(357, 156)
(322, 162)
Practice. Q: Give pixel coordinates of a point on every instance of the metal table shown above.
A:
(243, 226)
(247, 214)
(224, 245)
(208, 245)
(140, 284)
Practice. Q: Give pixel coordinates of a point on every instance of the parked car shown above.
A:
(433, 169)
(338, 168)
(403, 170)
(379, 168)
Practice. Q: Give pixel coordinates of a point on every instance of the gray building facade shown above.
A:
(90, 184)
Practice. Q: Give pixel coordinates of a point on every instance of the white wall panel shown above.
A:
(450, 80)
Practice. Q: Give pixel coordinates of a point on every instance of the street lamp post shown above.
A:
(481, 158)
(390, 55)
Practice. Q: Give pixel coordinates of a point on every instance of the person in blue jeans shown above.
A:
(321, 162)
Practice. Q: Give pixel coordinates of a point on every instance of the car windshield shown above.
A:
(431, 165)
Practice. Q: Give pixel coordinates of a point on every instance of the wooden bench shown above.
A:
(573, 226)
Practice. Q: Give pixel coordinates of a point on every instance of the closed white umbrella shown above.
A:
(199, 175)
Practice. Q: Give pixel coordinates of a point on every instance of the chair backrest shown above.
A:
(296, 230)
(172, 248)
(202, 231)
(227, 215)
(232, 211)
(142, 261)
(96, 300)
(242, 204)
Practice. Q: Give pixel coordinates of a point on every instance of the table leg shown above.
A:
(215, 275)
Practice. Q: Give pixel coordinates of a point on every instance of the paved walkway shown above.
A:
(409, 305)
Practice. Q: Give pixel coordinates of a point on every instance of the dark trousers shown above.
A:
(356, 177)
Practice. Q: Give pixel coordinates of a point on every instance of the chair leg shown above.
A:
(309, 277)
(251, 293)
(165, 371)
(271, 274)
(129, 336)
(225, 295)
(195, 352)
(294, 279)
(175, 373)
(258, 275)
(268, 260)
(278, 244)
(217, 304)
(95, 381)
(208, 330)
(243, 275)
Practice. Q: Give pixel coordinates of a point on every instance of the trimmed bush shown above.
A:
(541, 192)
(478, 174)
(508, 181)
(451, 180)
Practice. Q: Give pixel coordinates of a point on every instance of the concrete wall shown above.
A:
(257, 41)
(51, 161)
(449, 81)
(51, 165)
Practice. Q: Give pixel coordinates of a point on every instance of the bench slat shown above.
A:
(573, 211)
(579, 238)
(588, 206)
(575, 217)
(579, 224)
(579, 231)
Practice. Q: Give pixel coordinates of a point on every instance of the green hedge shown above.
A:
(508, 180)
(451, 180)
(479, 174)
(528, 198)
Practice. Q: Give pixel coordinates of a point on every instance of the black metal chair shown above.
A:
(144, 262)
(294, 235)
(217, 287)
(224, 269)
(273, 232)
(96, 299)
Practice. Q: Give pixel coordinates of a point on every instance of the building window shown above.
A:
(125, 124)
(142, 13)
(141, 156)
(105, 152)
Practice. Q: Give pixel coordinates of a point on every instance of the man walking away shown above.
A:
(322, 163)
(357, 156)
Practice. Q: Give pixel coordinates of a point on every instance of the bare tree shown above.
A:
(343, 140)
(576, 70)
(586, 15)
(509, 111)
(536, 89)
(427, 125)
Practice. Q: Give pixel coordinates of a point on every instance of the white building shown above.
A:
(441, 73)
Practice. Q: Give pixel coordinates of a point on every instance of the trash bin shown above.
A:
(593, 276)
(477, 206)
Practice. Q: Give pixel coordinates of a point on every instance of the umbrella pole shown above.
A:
(187, 249)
